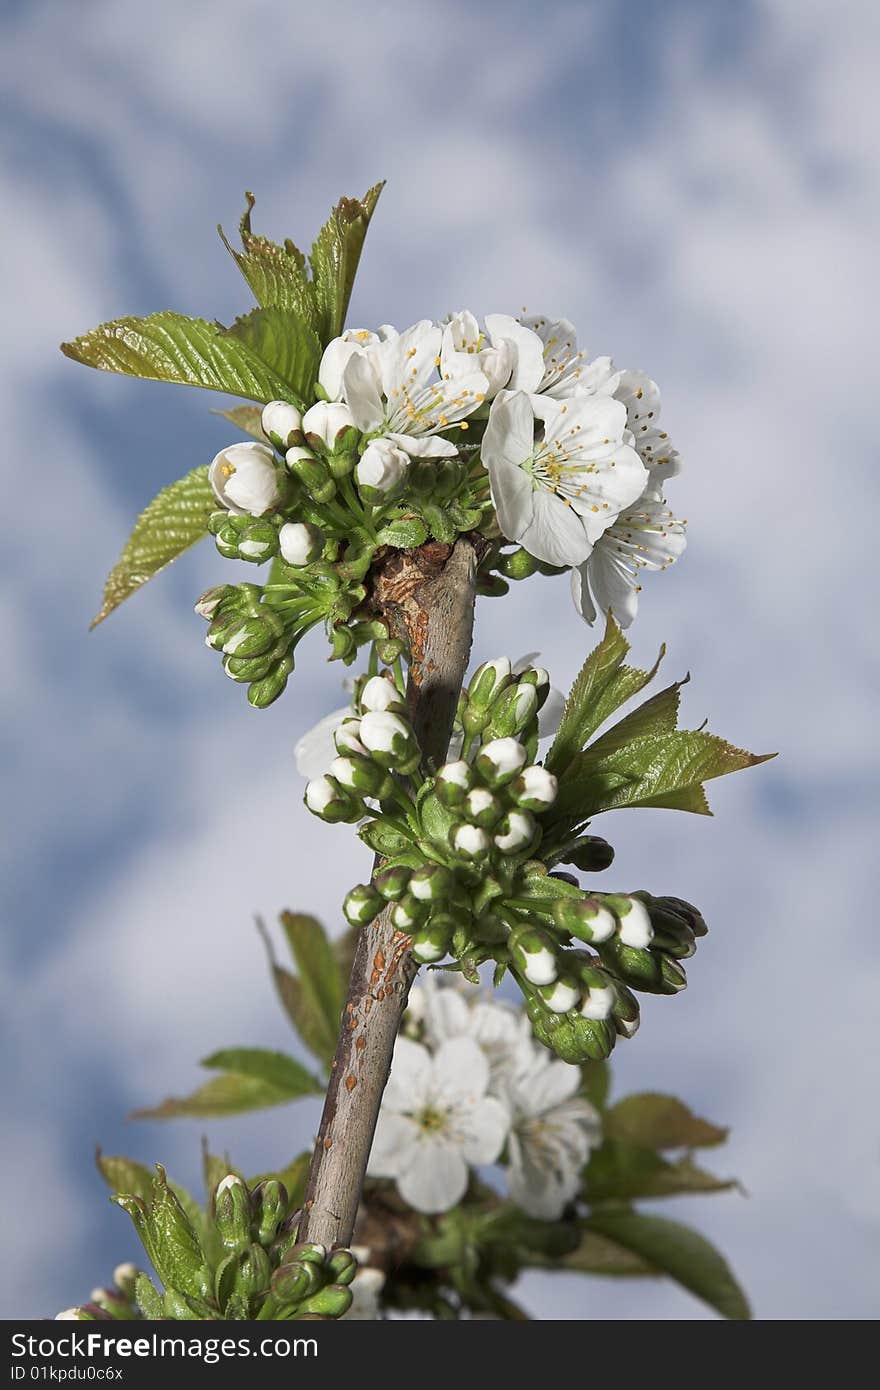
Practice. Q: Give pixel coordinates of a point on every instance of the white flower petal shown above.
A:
(362, 393)
(484, 1130)
(395, 1144)
(528, 370)
(411, 1071)
(556, 533)
(426, 446)
(435, 1179)
(461, 1072)
(316, 750)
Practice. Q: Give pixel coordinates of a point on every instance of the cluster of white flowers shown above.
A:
(477, 1089)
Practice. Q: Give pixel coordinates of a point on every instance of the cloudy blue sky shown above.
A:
(694, 184)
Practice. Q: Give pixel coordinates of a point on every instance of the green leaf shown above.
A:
(176, 518)
(318, 1001)
(658, 715)
(596, 1082)
(579, 715)
(406, 531)
(173, 347)
(274, 1068)
(148, 1300)
(256, 1079)
(620, 1170)
(246, 418)
(661, 1122)
(653, 770)
(678, 1252)
(384, 839)
(597, 1254)
(334, 259)
(177, 1257)
(124, 1175)
(276, 274)
(289, 346)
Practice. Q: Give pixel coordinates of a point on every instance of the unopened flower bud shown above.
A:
(379, 694)
(518, 565)
(431, 942)
(499, 761)
(590, 853)
(599, 995)
(362, 904)
(125, 1276)
(393, 882)
(263, 692)
(381, 471)
(408, 912)
(534, 789)
(328, 800)
(634, 920)
(253, 636)
(232, 1213)
(470, 841)
(346, 737)
(585, 918)
(487, 682)
(281, 423)
(211, 599)
(326, 422)
(390, 739)
(269, 1207)
(342, 1266)
(516, 832)
(561, 996)
(312, 472)
(482, 808)
(430, 883)
(333, 1301)
(625, 1013)
(300, 543)
(244, 479)
(297, 1280)
(514, 711)
(358, 773)
(533, 954)
(453, 782)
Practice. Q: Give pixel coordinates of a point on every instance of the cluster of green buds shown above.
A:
(500, 564)
(461, 869)
(256, 640)
(240, 1261)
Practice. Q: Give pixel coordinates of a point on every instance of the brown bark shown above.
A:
(427, 597)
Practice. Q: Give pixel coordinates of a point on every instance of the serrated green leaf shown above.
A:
(321, 991)
(176, 519)
(289, 346)
(620, 1170)
(246, 418)
(658, 715)
(148, 1299)
(661, 1122)
(403, 533)
(124, 1174)
(578, 717)
(178, 1258)
(276, 274)
(652, 768)
(172, 347)
(334, 259)
(678, 1252)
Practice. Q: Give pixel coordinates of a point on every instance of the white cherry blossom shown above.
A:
(641, 396)
(354, 342)
(465, 346)
(552, 1132)
(644, 537)
(560, 472)
(549, 362)
(436, 1120)
(244, 479)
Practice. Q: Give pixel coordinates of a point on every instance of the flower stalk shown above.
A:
(427, 600)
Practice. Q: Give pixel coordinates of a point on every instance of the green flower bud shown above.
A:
(534, 954)
(431, 942)
(258, 542)
(269, 1202)
(331, 802)
(312, 472)
(534, 789)
(519, 564)
(249, 668)
(683, 909)
(453, 782)
(469, 841)
(563, 994)
(393, 882)
(500, 761)
(585, 918)
(650, 972)
(362, 904)
(262, 693)
(252, 1273)
(253, 636)
(209, 602)
(332, 1302)
(431, 883)
(625, 1014)
(408, 912)
(514, 711)
(516, 833)
(343, 644)
(487, 683)
(482, 808)
(590, 853)
(295, 1281)
(342, 1266)
(358, 773)
(232, 1213)
(492, 585)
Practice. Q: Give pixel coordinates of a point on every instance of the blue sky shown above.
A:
(695, 186)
